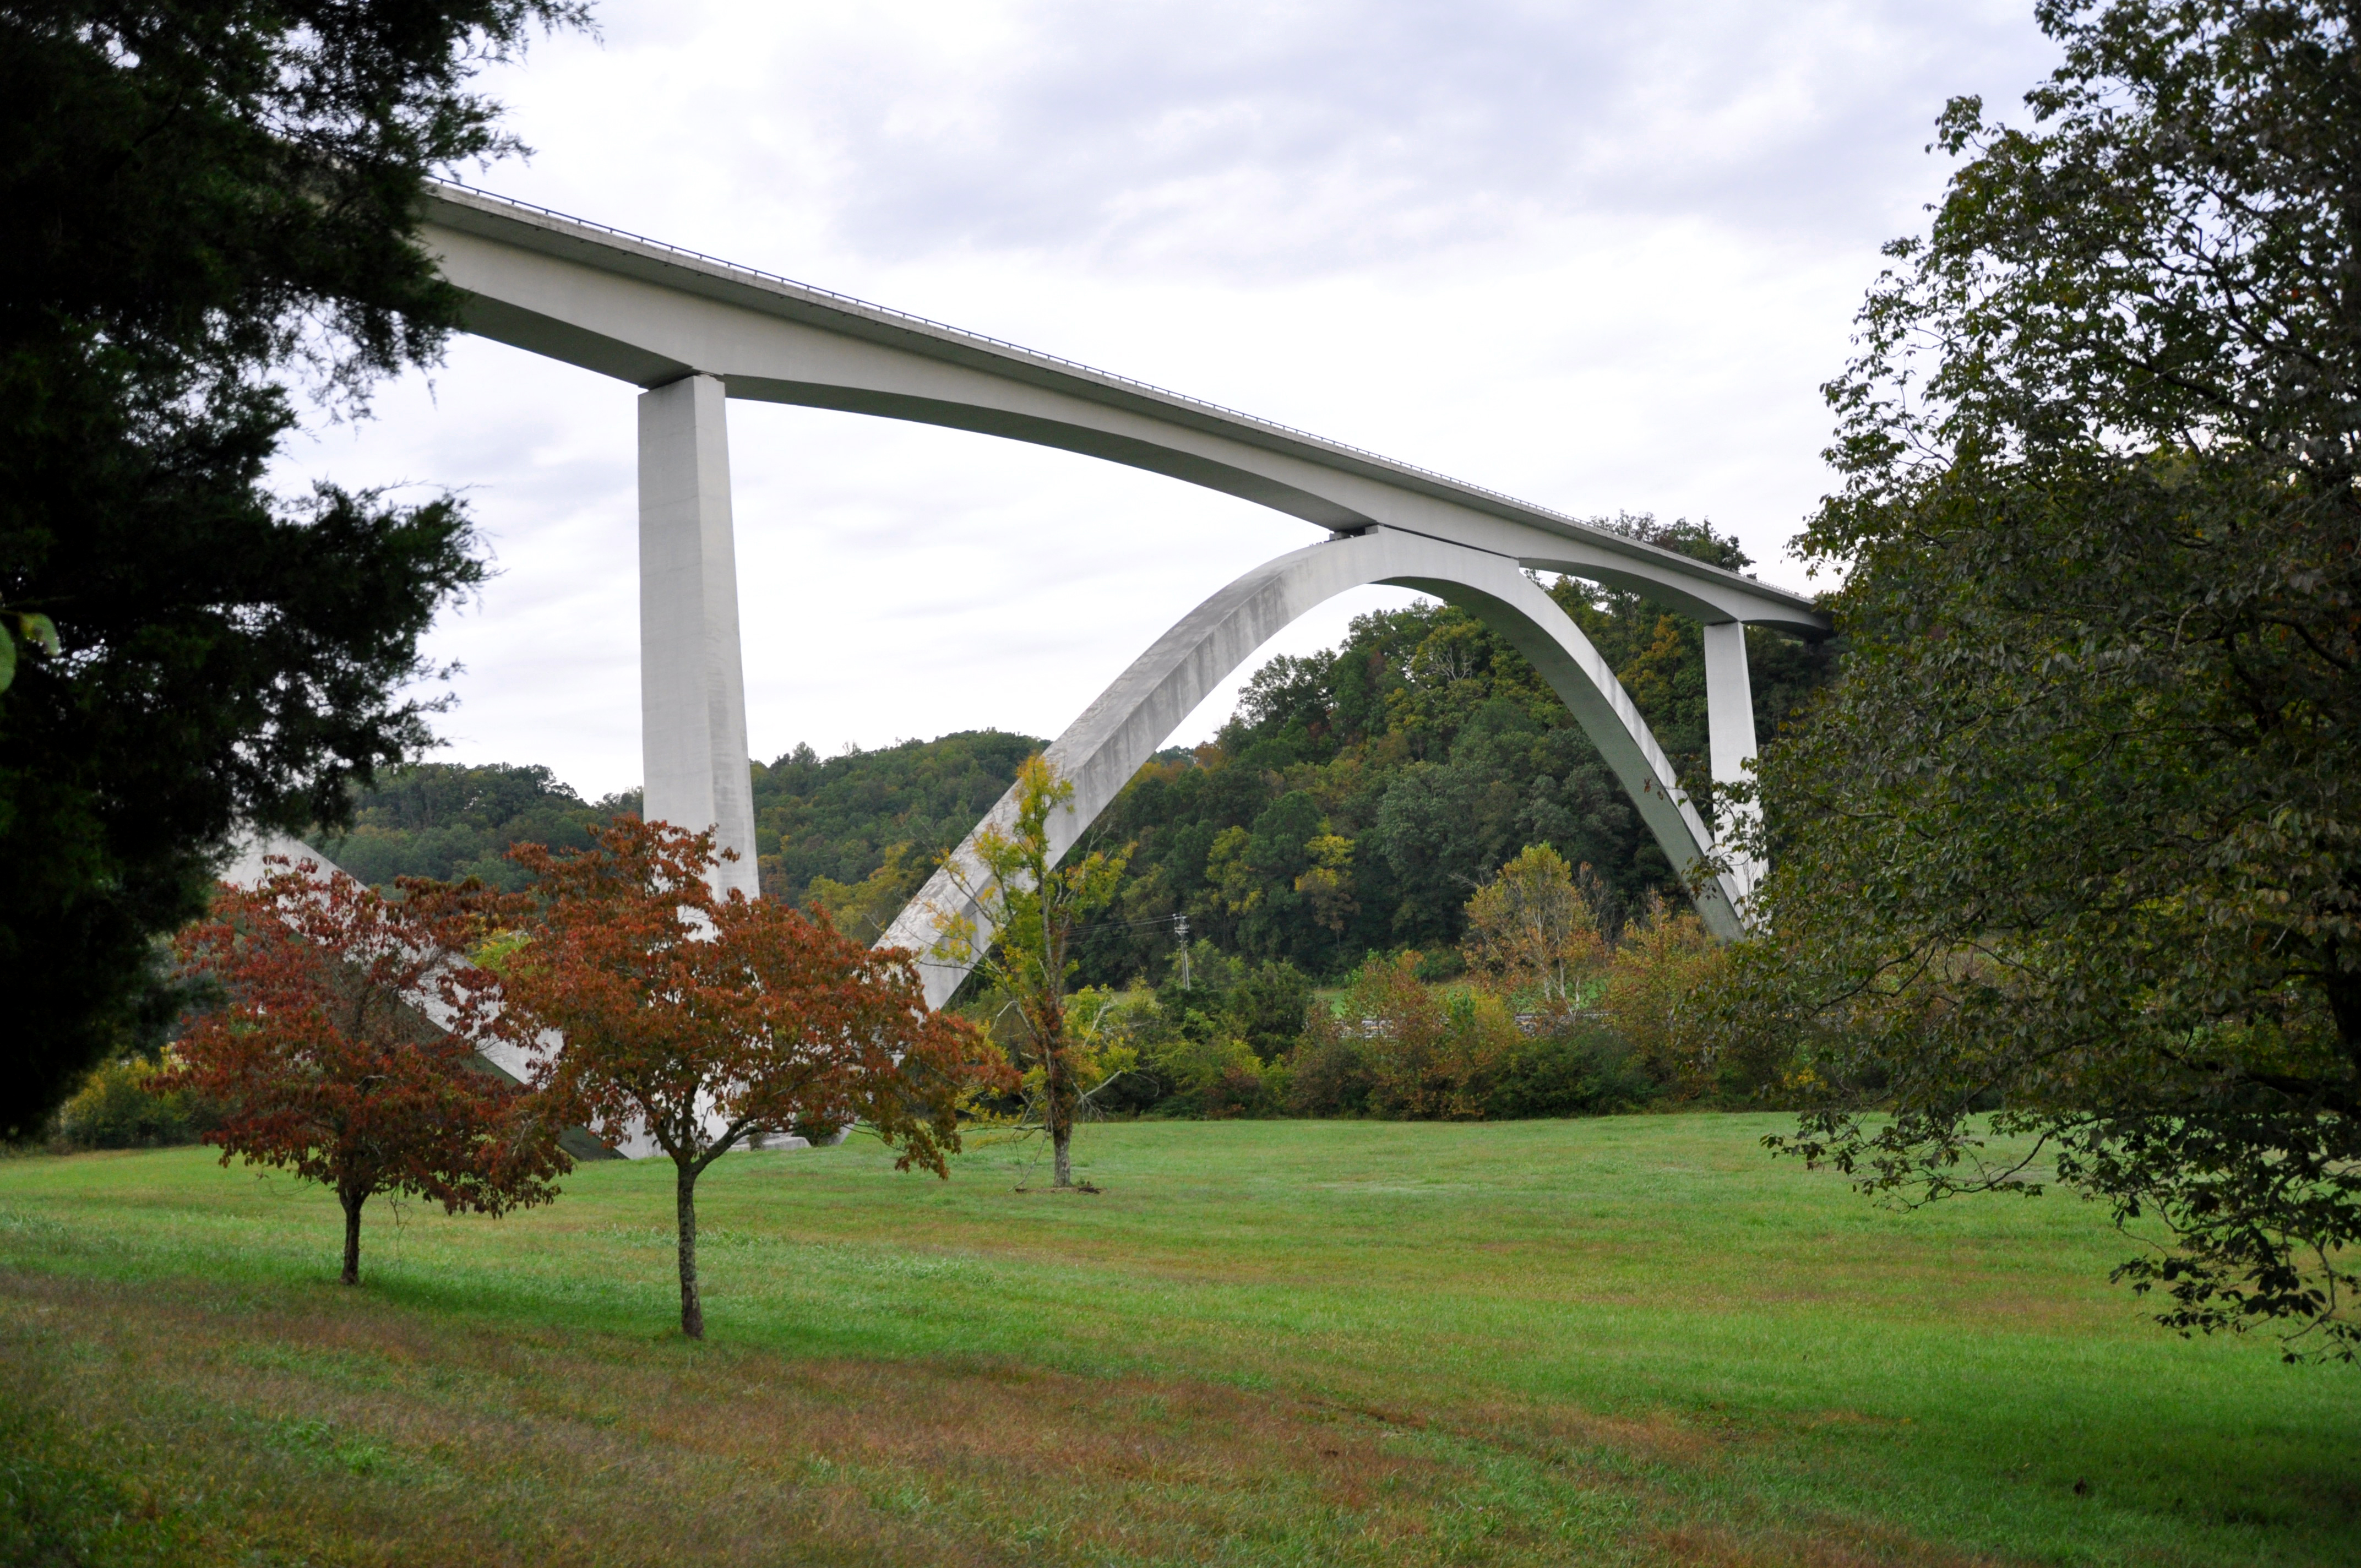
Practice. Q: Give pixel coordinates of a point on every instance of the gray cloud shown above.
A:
(1596, 256)
(1254, 139)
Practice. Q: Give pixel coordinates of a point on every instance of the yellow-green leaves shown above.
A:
(1029, 907)
(1532, 928)
(497, 954)
(31, 627)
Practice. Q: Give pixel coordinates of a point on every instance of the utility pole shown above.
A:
(1181, 930)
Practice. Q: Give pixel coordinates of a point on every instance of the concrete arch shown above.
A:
(1119, 731)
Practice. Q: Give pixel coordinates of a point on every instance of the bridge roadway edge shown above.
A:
(648, 314)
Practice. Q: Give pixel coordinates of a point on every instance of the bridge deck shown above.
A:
(648, 313)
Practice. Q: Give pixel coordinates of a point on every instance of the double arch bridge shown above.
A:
(693, 332)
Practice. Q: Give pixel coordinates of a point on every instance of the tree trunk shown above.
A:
(1058, 1088)
(692, 1308)
(1056, 1078)
(352, 1198)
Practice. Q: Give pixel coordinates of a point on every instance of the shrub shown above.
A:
(119, 1107)
(1221, 1077)
(1266, 1007)
(1263, 1006)
(1327, 1075)
(1210, 1051)
(1408, 1050)
(1443, 963)
(1193, 1063)
(1577, 1069)
(1665, 958)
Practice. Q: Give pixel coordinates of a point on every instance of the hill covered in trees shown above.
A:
(439, 819)
(1352, 804)
(841, 818)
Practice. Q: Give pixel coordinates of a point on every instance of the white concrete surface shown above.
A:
(1729, 723)
(692, 677)
(651, 313)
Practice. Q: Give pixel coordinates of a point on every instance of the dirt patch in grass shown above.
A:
(1831, 1547)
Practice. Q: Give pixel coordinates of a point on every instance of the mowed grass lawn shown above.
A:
(1629, 1340)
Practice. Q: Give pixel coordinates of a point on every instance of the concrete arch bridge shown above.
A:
(693, 332)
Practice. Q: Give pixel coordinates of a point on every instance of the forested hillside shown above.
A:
(437, 819)
(823, 823)
(1353, 802)
(843, 817)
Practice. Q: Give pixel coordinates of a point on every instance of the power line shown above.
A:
(1179, 923)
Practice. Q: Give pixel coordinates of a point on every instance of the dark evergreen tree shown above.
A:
(206, 206)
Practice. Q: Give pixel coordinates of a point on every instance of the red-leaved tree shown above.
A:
(324, 1061)
(703, 1020)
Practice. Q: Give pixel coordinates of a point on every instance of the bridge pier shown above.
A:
(1730, 724)
(692, 675)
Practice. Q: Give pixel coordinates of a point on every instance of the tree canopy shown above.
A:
(448, 821)
(1531, 928)
(209, 211)
(700, 1020)
(322, 1058)
(2077, 836)
(825, 824)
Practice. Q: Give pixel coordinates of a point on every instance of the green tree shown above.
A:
(2078, 835)
(866, 909)
(1532, 930)
(1031, 905)
(1395, 1047)
(842, 820)
(206, 206)
(1663, 962)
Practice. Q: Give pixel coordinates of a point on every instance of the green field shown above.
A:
(1626, 1339)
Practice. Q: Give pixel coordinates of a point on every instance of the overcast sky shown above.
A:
(1599, 257)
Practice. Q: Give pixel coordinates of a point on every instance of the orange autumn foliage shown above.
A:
(703, 1019)
(323, 1060)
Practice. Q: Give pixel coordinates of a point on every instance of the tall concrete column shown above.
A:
(692, 679)
(1730, 722)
